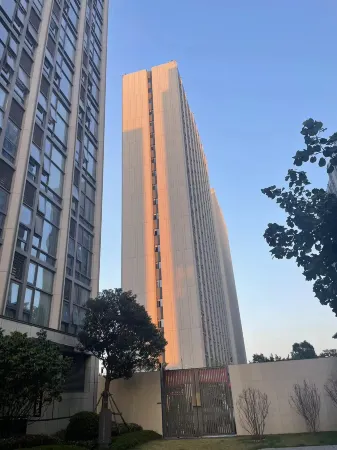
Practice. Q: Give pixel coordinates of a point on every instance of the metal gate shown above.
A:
(197, 402)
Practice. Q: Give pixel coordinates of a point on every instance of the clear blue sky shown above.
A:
(252, 71)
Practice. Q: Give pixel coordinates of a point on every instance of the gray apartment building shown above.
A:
(175, 251)
(52, 110)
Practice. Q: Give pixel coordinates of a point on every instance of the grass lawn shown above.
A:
(58, 447)
(245, 443)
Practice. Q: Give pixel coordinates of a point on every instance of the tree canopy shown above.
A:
(260, 358)
(310, 234)
(328, 353)
(32, 373)
(302, 350)
(119, 332)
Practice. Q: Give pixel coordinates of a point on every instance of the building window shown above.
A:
(26, 215)
(89, 155)
(3, 207)
(87, 198)
(37, 300)
(45, 236)
(40, 277)
(48, 210)
(81, 295)
(47, 68)
(11, 141)
(23, 237)
(13, 294)
(53, 166)
(84, 255)
(3, 102)
(59, 118)
(78, 317)
(36, 307)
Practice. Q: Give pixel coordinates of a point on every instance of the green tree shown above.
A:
(119, 332)
(303, 350)
(310, 234)
(32, 374)
(328, 353)
(260, 358)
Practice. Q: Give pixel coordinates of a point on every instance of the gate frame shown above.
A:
(195, 389)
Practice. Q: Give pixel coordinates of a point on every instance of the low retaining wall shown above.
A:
(138, 399)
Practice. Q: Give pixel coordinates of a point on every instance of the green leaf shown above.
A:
(310, 234)
(119, 331)
(31, 368)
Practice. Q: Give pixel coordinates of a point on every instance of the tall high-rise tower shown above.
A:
(171, 255)
(52, 110)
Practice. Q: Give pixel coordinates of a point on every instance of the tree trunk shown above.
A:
(105, 394)
(105, 418)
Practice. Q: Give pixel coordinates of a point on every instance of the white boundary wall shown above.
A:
(277, 379)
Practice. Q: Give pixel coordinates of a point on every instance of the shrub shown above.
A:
(120, 428)
(82, 426)
(91, 445)
(253, 406)
(306, 401)
(131, 440)
(27, 441)
(58, 447)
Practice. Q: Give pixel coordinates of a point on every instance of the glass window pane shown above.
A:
(58, 158)
(26, 215)
(65, 87)
(51, 212)
(41, 309)
(3, 200)
(12, 132)
(72, 16)
(69, 48)
(28, 299)
(13, 294)
(55, 181)
(61, 130)
(35, 152)
(3, 95)
(66, 312)
(81, 295)
(44, 279)
(49, 239)
(48, 147)
(4, 32)
(31, 273)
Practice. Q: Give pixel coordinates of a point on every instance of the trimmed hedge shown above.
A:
(82, 426)
(90, 445)
(28, 441)
(58, 447)
(120, 428)
(132, 440)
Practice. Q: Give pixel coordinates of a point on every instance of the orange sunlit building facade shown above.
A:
(173, 247)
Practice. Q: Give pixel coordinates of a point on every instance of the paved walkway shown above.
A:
(313, 447)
